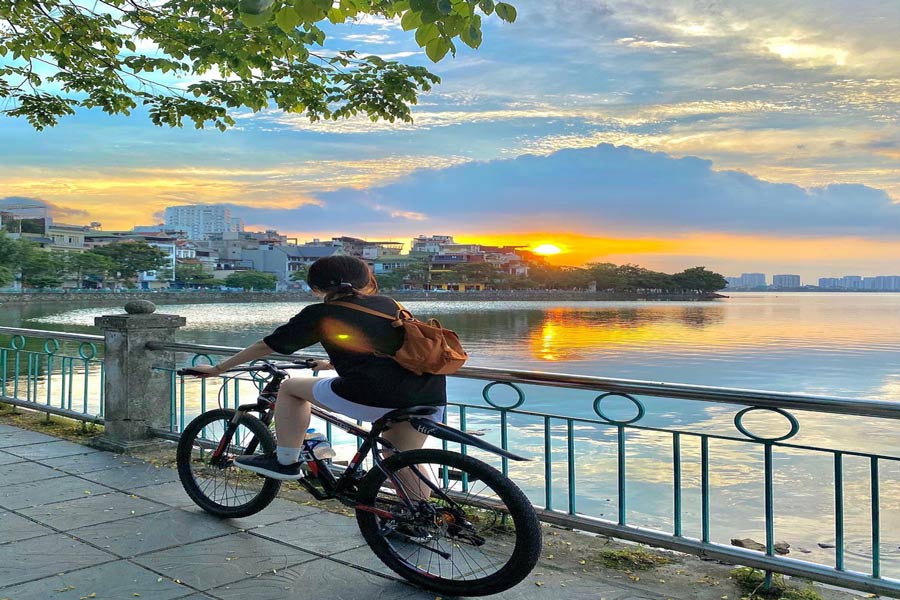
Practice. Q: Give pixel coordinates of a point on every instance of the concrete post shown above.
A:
(136, 396)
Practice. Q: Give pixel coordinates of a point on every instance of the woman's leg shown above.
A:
(292, 410)
(404, 437)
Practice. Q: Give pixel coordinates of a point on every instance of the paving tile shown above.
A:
(85, 463)
(171, 494)
(151, 532)
(50, 450)
(92, 510)
(129, 477)
(221, 561)
(274, 514)
(39, 557)
(21, 437)
(111, 581)
(7, 458)
(60, 489)
(363, 557)
(15, 528)
(8, 429)
(321, 532)
(23, 472)
(320, 579)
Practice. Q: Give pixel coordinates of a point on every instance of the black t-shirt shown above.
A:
(351, 338)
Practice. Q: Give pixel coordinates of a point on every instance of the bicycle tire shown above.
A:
(392, 548)
(222, 489)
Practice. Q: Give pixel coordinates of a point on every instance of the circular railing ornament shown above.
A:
(739, 418)
(87, 350)
(17, 342)
(598, 401)
(486, 394)
(51, 346)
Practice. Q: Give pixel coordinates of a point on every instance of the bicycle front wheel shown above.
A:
(206, 468)
(472, 531)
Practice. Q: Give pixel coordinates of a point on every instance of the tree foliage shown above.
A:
(202, 60)
(192, 274)
(132, 257)
(252, 280)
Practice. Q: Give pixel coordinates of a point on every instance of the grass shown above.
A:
(61, 427)
(751, 581)
(636, 559)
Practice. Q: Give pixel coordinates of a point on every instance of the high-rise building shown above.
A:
(753, 280)
(851, 282)
(786, 281)
(829, 282)
(199, 220)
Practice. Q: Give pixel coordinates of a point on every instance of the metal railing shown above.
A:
(54, 372)
(561, 444)
(683, 465)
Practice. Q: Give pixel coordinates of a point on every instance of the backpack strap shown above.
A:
(377, 313)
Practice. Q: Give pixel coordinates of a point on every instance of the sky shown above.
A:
(740, 136)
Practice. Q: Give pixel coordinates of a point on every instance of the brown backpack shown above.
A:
(427, 347)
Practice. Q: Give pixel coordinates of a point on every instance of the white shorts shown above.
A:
(325, 396)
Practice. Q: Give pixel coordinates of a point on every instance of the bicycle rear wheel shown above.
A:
(476, 534)
(212, 481)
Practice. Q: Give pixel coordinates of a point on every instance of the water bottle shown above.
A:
(318, 444)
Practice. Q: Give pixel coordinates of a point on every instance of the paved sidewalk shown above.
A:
(77, 523)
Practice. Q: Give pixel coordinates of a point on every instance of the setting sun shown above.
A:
(547, 249)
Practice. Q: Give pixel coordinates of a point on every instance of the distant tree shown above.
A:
(252, 280)
(192, 274)
(132, 257)
(9, 259)
(39, 268)
(699, 279)
(300, 274)
(89, 265)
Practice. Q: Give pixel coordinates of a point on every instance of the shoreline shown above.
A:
(169, 297)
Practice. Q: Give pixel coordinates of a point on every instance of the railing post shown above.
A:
(136, 396)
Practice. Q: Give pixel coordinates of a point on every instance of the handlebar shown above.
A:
(306, 363)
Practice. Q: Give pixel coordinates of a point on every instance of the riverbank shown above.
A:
(86, 298)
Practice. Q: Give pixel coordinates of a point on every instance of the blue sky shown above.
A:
(791, 111)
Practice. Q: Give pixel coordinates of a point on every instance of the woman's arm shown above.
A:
(248, 354)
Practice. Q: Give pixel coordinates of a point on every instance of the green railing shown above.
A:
(54, 372)
(677, 466)
(739, 461)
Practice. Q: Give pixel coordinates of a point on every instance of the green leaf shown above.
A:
(420, 5)
(505, 11)
(426, 33)
(444, 7)
(411, 20)
(253, 20)
(336, 16)
(437, 49)
(287, 19)
(254, 7)
(486, 6)
(308, 11)
(471, 36)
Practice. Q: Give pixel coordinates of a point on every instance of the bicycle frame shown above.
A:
(338, 487)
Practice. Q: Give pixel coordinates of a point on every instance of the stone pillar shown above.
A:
(136, 396)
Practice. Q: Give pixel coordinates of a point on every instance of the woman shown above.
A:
(369, 383)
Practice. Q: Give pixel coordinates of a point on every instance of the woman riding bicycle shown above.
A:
(369, 383)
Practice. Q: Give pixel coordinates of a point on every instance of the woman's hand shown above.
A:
(322, 365)
(207, 370)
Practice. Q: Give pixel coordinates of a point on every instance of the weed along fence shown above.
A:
(736, 475)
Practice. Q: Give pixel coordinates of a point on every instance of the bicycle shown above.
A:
(445, 521)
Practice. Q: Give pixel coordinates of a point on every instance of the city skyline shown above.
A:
(736, 137)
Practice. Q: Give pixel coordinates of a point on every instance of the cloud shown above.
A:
(55, 211)
(610, 189)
